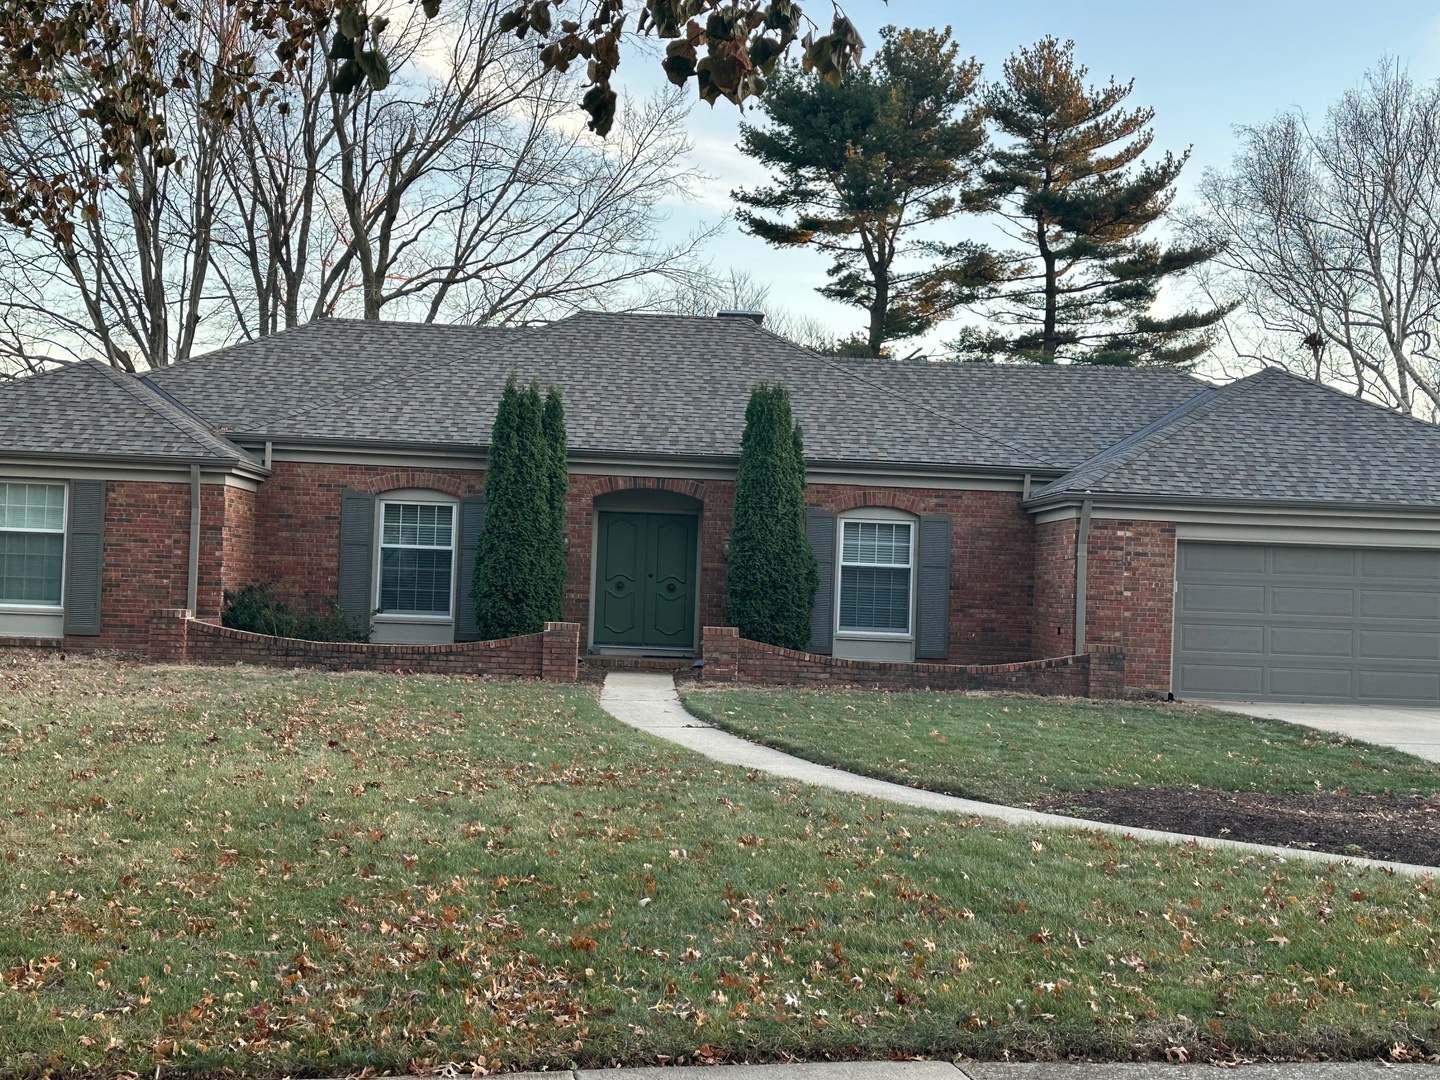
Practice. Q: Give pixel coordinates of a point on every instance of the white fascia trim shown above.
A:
(19, 469)
(588, 464)
(396, 459)
(1279, 525)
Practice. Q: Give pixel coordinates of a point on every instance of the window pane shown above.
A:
(417, 525)
(415, 580)
(874, 598)
(884, 542)
(32, 506)
(31, 566)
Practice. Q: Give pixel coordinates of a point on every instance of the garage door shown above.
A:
(1288, 623)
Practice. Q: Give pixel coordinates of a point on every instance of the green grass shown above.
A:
(1009, 749)
(307, 874)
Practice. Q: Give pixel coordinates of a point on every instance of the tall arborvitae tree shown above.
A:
(1079, 200)
(864, 165)
(514, 577)
(552, 423)
(773, 577)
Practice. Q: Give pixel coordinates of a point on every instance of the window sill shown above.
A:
(872, 635)
(403, 617)
(8, 608)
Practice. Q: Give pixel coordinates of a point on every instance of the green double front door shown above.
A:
(645, 580)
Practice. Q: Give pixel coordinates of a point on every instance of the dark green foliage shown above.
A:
(514, 584)
(256, 609)
(552, 422)
(773, 577)
(861, 165)
(1083, 284)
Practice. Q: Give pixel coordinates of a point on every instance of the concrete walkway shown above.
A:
(1414, 730)
(942, 1070)
(648, 701)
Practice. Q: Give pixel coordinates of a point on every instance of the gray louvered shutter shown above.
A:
(84, 557)
(472, 524)
(932, 619)
(820, 527)
(357, 558)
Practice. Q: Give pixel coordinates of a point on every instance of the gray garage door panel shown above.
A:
(1307, 623)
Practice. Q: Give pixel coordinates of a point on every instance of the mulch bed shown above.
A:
(1368, 826)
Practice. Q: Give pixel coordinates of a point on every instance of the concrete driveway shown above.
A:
(1414, 730)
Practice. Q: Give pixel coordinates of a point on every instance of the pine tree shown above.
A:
(862, 165)
(1078, 200)
(552, 424)
(513, 583)
(773, 577)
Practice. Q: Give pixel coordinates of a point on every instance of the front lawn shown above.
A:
(1010, 749)
(304, 874)
(1153, 765)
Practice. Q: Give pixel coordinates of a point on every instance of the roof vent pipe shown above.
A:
(757, 317)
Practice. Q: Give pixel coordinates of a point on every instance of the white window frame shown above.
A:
(875, 516)
(415, 498)
(19, 606)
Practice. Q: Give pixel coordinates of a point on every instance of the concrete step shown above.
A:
(596, 662)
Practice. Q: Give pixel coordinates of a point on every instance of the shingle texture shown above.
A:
(88, 409)
(1273, 437)
(664, 385)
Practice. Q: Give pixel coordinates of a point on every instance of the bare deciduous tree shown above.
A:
(1330, 243)
(467, 190)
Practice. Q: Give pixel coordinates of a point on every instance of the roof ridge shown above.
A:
(1154, 434)
(1344, 394)
(148, 397)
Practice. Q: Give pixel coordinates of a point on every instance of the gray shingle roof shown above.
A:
(88, 409)
(243, 387)
(669, 386)
(1272, 437)
(663, 385)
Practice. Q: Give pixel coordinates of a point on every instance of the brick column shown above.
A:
(720, 648)
(560, 652)
(1107, 671)
(168, 636)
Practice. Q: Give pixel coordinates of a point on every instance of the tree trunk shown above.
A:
(878, 308)
(1049, 344)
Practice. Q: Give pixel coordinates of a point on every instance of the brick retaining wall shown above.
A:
(177, 637)
(731, 658)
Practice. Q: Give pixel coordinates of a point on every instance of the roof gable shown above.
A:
(88, 409)
(1271, 436)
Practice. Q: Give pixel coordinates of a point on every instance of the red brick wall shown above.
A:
(296, 539)
(297, 518)
(1131, 596)
(551, 653)
(730, 658)
(146, 560)
(238, 533)
(1054, 633)
(992, 561)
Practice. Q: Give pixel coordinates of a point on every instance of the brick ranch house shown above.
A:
(1268, 539)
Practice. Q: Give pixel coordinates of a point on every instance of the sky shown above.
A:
(1204, 68)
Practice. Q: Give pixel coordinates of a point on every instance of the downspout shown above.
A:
(192, 584)
(1082, 573)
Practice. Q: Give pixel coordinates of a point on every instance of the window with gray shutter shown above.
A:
(357, 561)
(932, 598)
(85, 548)
(820, 527)
(472, 523)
